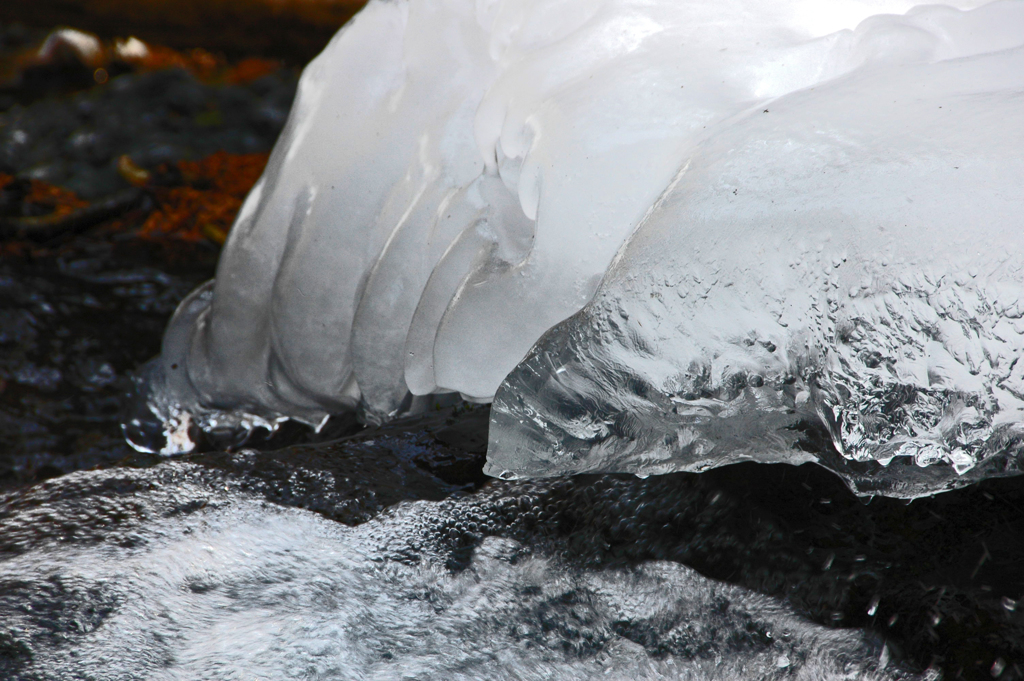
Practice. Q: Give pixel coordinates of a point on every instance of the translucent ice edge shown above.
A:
(839, 180)
(844, 266)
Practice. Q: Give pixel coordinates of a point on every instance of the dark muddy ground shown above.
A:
(939, 578)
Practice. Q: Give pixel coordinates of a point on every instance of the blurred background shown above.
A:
(130, 133)
(293, 30)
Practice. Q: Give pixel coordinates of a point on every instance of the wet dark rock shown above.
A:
(907, 571)
(73, 326)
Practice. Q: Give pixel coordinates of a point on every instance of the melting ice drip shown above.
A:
(786, 217)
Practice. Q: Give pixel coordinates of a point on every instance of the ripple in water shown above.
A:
(188, 581)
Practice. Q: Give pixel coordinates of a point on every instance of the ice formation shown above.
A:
(457, 177)
(848, 256)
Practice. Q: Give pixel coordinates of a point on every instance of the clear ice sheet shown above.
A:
(843, 263)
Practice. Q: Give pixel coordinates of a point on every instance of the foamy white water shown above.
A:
(198, 583)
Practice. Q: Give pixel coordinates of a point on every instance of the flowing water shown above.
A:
(186, 579)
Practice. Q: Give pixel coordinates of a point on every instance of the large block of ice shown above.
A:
(846, 260)
(457, 177)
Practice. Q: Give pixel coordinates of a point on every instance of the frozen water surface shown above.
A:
(456, 178)
(192, 581)
(848, 257)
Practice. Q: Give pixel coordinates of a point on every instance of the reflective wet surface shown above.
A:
(386, 553)
(219, 584)
(602, 570)
(73, 325)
